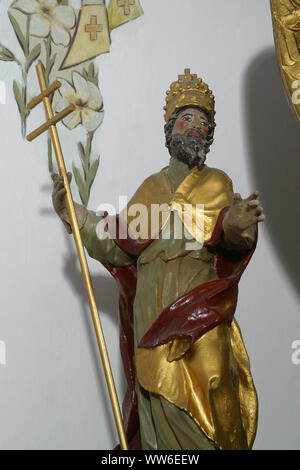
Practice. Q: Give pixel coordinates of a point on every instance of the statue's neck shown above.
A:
(176, 172)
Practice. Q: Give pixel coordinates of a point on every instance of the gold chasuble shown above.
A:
(208, 379)
(199, 198)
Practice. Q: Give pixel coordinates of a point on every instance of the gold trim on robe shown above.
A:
(189, 383)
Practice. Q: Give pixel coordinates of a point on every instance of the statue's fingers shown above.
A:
(259, 210)
(61, 194)
(57, 178)
(261, 218)
(236, 198)
(54, 176)
(58, 185)
(253, 203)
(58, 182)
(253, 196)
(251, 219)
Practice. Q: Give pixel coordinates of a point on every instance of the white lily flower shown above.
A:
(86, 98)
(47, 17)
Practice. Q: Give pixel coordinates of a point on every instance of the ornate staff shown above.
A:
(51, 125)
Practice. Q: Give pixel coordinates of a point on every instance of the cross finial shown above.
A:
(188, 76)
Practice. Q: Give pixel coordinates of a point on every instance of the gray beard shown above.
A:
(188, 149)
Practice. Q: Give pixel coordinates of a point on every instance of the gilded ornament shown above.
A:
(286, 25)
(189, 90)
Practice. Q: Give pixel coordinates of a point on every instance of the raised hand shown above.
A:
(240, 221)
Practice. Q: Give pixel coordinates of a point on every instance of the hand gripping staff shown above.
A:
(51, 125)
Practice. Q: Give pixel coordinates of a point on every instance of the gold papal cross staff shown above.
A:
(51, 125)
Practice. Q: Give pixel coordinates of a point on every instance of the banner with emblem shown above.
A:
(91, 36)
(66, 41)
(121, 11)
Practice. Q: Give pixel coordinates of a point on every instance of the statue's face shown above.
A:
(193, 122)
(188, 141)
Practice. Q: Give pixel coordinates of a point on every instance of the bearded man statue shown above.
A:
(187, 370)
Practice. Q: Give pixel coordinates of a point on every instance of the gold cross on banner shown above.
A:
(93, 28)
(126, 5)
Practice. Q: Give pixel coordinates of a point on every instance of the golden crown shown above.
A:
(189, 90)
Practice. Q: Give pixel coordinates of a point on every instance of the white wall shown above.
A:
(52, 393)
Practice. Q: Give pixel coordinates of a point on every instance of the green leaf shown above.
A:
(90, 179)
(49, 66)
(90, 74)
(93, 75)
(23, 92)
(85, 74)
(91, 71)
(47, 43)
(20, 36)
(27, 36)
(80, 185)
(20, 94)
(6, 54)
(81, 151)
(33, 55)
(85, 178)
(88, 147)
(83, 158)
(92, 172)
(19, 97)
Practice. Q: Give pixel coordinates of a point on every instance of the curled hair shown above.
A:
(170, 124)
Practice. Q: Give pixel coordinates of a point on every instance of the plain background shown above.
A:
(52, 391)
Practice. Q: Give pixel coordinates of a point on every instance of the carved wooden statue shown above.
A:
(187, 370)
